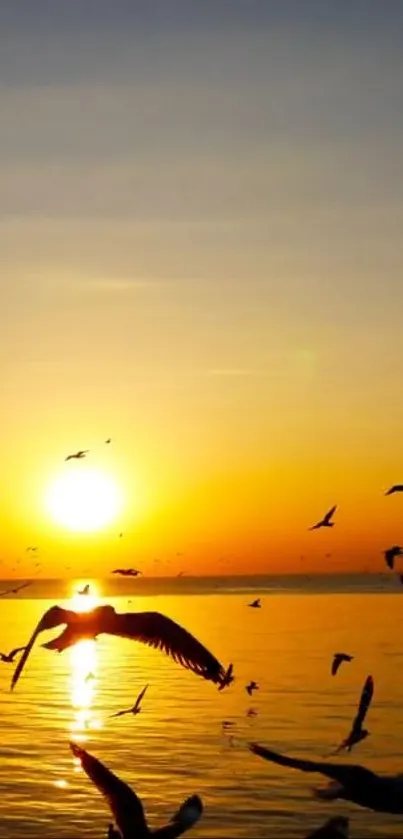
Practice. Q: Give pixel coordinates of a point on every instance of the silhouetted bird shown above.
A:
(77, 456)
(395, 488)
(149, 628)
(109, 440)
(9, 657)
(228, 678)
(16, 589)
(89, 677)
(127, 572)
(256, 604)
(357, 732)
(31, 548)
(338, 658)
(85, 590)
(383, 793)
(390, 555)
(251, 687)
(326, 521)
(135, 709)
(127, 808)
(335, 828)
(251, 712)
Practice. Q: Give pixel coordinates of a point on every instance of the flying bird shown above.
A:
(135, 709)
(31, 548)
(383, 793)
(149, 628)
(228, 678)
(126, 572)
(390, 555)
(127, 808)
(251, 712)
(357, 732)
(85, 590)
(77, 456)
(326, 521)
(335, 828)
(9, 657)
(251, 687)
(338, 659)
(394, 488)
(108, 441)
(16, 589)
(256, 604)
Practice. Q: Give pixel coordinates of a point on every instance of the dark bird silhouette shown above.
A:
(335, 828)
(251, 687)
(256, 604)
(394, 488)
(383, 793)
(31, 548)
(127, 808)
(16, 589)
(9, 657)
(326, 521)
(85, 590)
(135, 709)
(78, 455)
(228, 678)
(390, 555)
(149, 628)
(357, 732)
(251, 712)
(338, 659)
(126, 572)
(108, 441)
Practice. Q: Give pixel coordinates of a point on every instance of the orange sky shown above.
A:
(200, 256)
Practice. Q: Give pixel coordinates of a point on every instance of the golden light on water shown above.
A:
(83, 658)
(84, 499)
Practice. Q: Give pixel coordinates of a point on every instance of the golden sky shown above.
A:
(201, 257)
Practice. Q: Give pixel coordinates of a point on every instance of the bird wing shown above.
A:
(188, 814)
(139, 698)
(329, 515)
(365, 701)
(390, 558)
(336, 663)
(126, 807)
(16, 651)
(344, 773)
(55, 616)
(122, 713)
(164, 634)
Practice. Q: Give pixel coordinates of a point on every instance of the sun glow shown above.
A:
(83, 658)
(84, 499)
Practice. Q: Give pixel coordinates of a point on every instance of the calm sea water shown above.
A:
(175, 747)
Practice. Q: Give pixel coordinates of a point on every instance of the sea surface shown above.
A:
(175, 746)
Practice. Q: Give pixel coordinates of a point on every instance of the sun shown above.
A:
(84, 499)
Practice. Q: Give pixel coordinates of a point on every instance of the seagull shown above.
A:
(85, 590)
(251, 687)
(77, 456)
(32, 548)
(394, 488)
(135, 709)
(108, 441)
(256, 604)
(251, 712)
(335, 828)
(89, 677)
(127, 808)
(338, 658)
(357, 732)
(126, 572)
(9, 657)
(325, 522)
(390, 555)
(149, 628)
(383, 793)
(228, 678)
(16, 589)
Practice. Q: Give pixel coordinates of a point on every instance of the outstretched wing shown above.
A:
(188, 814)
(365, 701)
(55, 616)
(344, 773)
(16, 589)
(16, 651)
(164, 634)
(329, 515)
(336, 663)
(139, 698)
(127, 809)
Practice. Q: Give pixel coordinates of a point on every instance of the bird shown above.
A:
(31, 548)
(338, 658)
(228, 678)
(335, 828)
(394, 488)
(151, 628)
(16, 589)
(251, 712)
(89, 677)
(9, 657)
(85, 590)
(226, 724)
(127, 808)
(383, 793)
(77, 456)
(108, 441)
(127, 572)
(357, 732)
(135, 709)
(251, 687)
(256, 604)
(326, 521)
(390, 555)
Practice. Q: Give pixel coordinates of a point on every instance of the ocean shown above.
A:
(175, 746)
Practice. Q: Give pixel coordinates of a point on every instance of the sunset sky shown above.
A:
(201, 257)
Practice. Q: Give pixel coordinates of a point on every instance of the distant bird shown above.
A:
(127, 808)
(9, 657)
(135, 709)
(149, 628)
(228, 678)
(256, 604)
(251, 687)
(127, 572)
(383, 793)
(338, 659)
(77, 456)
(86, 590)
(32, 548)
(227, 724)
(394, 488)
(335, 828)
(16, 589)
(89, 677)
(390, 555)
(326, 521)
(108, 441)
(251, 712)
(357, 732)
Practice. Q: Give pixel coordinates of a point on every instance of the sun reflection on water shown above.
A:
(83, 658)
